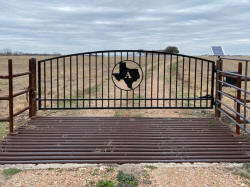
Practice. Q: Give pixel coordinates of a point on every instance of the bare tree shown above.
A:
(6, 52)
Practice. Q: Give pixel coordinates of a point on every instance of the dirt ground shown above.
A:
(147, 175)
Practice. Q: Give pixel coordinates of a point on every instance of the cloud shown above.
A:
(75, 26)
(147, 18)
(85, 9)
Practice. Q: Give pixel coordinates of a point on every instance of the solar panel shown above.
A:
(218, 51)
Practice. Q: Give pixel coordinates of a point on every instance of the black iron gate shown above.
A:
(125, 79)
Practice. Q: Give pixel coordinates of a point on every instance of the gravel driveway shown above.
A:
(156, 175)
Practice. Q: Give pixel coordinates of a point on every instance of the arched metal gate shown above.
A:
(125, 79)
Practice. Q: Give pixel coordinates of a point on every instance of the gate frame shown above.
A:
(211, 98)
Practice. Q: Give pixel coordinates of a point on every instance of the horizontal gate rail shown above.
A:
(126, 51)
(125, 79)
(235, 114)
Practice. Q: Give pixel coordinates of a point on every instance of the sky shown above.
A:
(73, 26)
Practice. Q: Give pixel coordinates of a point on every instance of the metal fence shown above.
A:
(125, 79)
(226, 82)
(31, 91)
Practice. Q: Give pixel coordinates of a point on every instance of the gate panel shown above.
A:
(128, 79)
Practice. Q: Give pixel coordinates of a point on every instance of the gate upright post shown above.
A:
(11, 112)
(238, 97)
(32, 87)
(219, 66)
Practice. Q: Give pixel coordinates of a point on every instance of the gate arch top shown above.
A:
(125, 79)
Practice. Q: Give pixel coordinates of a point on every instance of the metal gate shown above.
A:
(125, 79)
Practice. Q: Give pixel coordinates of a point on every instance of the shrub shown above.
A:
(126, 180)
(103, 183)
(11, 171)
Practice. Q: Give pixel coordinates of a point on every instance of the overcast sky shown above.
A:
(71, 26)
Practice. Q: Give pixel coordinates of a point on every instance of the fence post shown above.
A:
(11, 113)
(238, 97)
(219, 66)
(32, 87)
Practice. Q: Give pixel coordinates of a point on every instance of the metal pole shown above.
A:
(32, 87)
(11, 115)
(245, 94)
(219, 65)
(238, 96)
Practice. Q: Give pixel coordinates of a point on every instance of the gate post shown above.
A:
(11, 112)
(32, 87)
(238, 97)
(219, 66)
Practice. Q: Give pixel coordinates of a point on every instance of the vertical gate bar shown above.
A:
(182, 87)
(57, 82)
(70, 80)
(11, 113)
(34, 82)
(176, 79)
(245, 93)
(39, 84)
(64, 94)
(127, 98)
(133, 89)
(189, 71)
(152, 75)
(121, 90)
(96, 80)
(51, 85)
(102, 80)
(219, 67)
(114, 84)
(207, 84)
(142, 77)
(77, 91)
(83, 80)
(201, 83)
(195, 76)
(32, 87)
(89, 80)
(158, 77)
(212, 84)
(108, 76)
(164, 78)
(238, 97)
(146, 64)
(44, 82)
(127, 91)
(170, 80)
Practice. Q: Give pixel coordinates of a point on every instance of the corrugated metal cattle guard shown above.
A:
(123, 140)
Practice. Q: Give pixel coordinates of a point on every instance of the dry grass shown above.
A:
(20, 65)
(93, 90)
